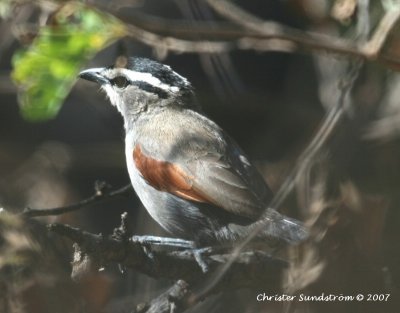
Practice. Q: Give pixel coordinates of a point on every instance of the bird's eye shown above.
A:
(120, 81)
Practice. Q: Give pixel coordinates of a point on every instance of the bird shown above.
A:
(191, 176)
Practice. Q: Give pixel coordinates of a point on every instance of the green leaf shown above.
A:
(47, 70)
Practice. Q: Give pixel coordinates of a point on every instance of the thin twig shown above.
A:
(182, 37)
(263, 36)
(248, 32)
(207, 46)
(178, 45)
(185, 29)
(368, 50)
(276, 30)
(373, 47)
(98, 196)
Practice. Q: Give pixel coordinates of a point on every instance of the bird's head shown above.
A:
(141, 84)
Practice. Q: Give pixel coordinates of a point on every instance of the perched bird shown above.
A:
(192, 178)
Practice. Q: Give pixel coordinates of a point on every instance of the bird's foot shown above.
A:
(199, 254)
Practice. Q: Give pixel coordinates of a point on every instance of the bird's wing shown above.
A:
(225, 180)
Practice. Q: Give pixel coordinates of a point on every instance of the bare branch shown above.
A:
(179, 45)
(99, 195)
(250, 268)
(186, 29)
(176, 299)
(373, 47)
(369, 50)
(247, 32)
(270, 29)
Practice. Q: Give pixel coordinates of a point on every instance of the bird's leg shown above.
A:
(164, 241)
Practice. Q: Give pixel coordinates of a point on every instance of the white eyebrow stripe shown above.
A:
(147, 78)
(97, 70)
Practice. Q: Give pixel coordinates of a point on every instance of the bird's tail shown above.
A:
(277, 226)
(273, 228)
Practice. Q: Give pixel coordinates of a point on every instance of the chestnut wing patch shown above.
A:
(166, 176)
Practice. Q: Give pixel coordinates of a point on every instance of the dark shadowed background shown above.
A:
(272, 103)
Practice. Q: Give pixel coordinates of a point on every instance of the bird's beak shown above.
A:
(94, 75)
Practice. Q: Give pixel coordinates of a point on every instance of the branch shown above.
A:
(178, 45)
(250, 268)
(272, 29)
(207, 46)
(99, 195)
(373, 47)
(369, 50)
(176, 299)
(184, 29)
(183, 37)
(248, 32)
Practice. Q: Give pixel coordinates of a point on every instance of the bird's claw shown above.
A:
(198, 255)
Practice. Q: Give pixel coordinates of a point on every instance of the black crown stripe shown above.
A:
(150, 88)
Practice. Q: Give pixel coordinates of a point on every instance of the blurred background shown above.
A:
(271, 102)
